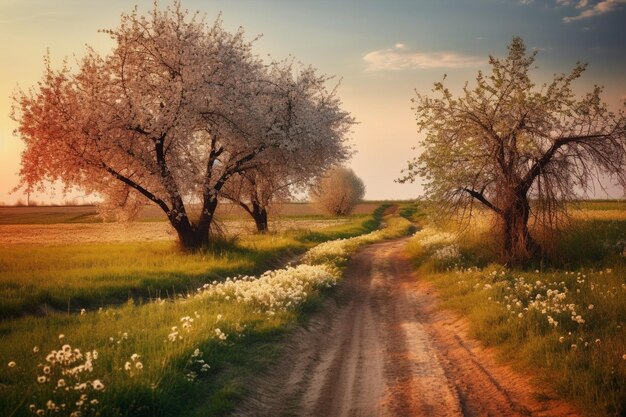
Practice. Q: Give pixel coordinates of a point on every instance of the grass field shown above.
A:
(72, 266)
(186, 355)
(563, 320)
(225, 211)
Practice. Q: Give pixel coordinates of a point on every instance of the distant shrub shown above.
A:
(338, 191)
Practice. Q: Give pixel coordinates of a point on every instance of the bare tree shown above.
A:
(168, 117)
(506, 143)
(338, 191)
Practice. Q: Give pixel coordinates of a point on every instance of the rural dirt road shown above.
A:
(383, 349)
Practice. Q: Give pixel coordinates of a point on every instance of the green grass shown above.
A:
(35, 280)
(591, 243)
(160, 388)
(583, 361)
(163, 386)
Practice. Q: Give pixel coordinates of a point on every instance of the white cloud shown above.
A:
(602, 7)
(400, 57)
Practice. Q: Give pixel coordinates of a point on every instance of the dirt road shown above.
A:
(382, 349)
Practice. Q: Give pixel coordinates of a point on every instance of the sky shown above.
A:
(382, 51)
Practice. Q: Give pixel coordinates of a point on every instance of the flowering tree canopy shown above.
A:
(169, 116)
(338, 191)
(505, 143)
(279, 174)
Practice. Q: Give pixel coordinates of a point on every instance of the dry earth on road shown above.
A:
(383, 349)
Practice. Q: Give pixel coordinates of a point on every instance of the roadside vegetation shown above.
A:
(562, 319)
(188, 355)
(70, 277)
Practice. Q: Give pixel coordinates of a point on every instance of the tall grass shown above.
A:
(565, 320)
(195, 352)
(36, 280)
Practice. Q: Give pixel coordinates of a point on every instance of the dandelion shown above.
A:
(134, 357)
(574, 346)
(61, 336)
(41, 379)
(82, 311)
(561, 339)
(220, 335)
(127, 366)
(35, 349)
(61, 383)
(590, 307)
(624, 356)
(97, 385)
(139, 365)
(12, 364)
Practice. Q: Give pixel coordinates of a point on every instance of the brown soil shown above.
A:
(383, 349)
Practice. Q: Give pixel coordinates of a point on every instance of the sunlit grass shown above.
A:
(161, 387)
(171, 380)
(583, 357)
(37, 279)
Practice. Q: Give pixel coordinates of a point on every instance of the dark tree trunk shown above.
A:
(191, 237)
(259, 214)
(518, 244)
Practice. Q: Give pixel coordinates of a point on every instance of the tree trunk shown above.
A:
(191, 237)
(518, 244)
(259, 214)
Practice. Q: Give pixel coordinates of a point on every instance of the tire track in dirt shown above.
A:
(383, 349)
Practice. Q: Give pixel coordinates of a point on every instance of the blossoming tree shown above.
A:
(505, 144)
(316, 116)
(168, 117)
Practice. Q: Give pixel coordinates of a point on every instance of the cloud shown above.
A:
(580, 4)
(400, 57)
(602, 7)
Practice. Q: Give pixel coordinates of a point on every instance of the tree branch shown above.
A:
(139, 188)
(480, 197)
(541, 163)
